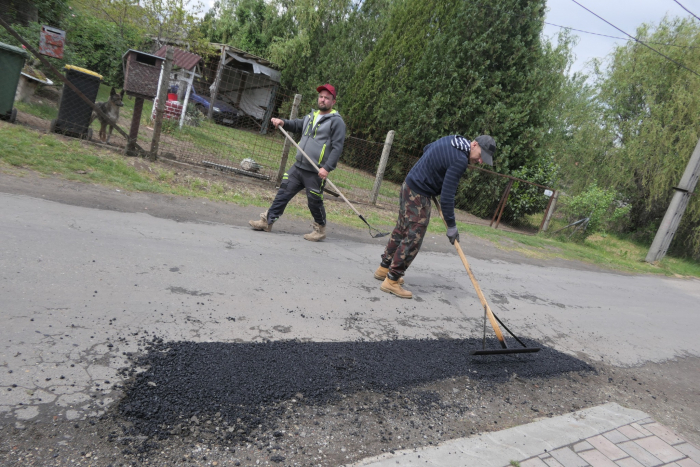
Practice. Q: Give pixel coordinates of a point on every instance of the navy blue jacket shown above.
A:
(438, 172)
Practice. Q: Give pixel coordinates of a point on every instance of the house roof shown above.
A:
(181, 58)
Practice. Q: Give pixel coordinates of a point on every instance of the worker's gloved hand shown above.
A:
(452, 234)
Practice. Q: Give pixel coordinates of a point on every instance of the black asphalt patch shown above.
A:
(242, 384)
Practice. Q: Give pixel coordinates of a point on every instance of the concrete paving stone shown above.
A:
(690, 451)
(552, 462)
(582, 446)
(597, 458)
(640, 454)
(631, 432)
(534, 462)
(664, 433)
(660, 449)
(687, 463)
(642, 430)
(605, 446)
(646, 420)
(568, 458)
(615, 437)
(628, 462)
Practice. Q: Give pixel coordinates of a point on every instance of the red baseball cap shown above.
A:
(329, 88)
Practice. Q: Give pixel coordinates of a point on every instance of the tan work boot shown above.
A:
(261, 224)
(318, 234)
(381, 272)
(394, 287)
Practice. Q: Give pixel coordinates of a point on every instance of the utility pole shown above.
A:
(675, 210)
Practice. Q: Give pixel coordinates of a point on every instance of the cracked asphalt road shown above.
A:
(79, 287)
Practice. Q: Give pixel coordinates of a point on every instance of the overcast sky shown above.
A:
(625, 14)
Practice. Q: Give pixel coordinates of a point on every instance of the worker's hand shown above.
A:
(277, 122)
(452, 234)
(323, 173)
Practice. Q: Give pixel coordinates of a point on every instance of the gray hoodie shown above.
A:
(323, 143)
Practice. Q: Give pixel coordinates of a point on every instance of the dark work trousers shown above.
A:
(293, 182)
(407, 237)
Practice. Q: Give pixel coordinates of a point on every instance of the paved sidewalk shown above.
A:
(605, 436)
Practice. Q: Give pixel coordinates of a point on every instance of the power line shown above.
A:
(679, 3)
(621, 38)
(637, 40)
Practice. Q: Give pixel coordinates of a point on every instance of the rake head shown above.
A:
(378, 233)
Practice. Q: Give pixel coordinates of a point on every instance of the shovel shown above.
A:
(487, 311)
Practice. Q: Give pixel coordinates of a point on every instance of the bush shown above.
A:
(193, 117)
(600, 205)
(526, 199)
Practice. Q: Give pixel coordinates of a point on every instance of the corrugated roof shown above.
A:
(181, 58)
(247, 55)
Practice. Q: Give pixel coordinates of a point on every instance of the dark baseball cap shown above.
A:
(329, 88)
(488, 148)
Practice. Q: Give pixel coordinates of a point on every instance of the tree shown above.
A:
(249, 25)
(162, 21)
(644, 126)
(476, 67)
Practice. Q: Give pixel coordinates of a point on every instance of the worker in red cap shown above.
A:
(322, 138)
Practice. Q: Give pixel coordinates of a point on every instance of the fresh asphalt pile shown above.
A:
(240, 386)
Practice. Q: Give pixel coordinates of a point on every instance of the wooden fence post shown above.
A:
(287, 145)
(160, 104)
(382, 166)
(550, 210)
(217, 81)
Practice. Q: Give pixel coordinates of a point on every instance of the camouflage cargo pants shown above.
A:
(407, 237)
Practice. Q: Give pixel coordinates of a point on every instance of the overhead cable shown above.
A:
(679, 4)
(621, 38)
(637, 40)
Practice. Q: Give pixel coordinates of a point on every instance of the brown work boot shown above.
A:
(318, 234)
(381, 272)
(261, 224)
(394, 287)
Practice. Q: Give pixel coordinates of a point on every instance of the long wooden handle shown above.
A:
(487, 309)
(314, 164)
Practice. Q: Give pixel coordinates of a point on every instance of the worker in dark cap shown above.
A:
(322, 138)
(436, 173)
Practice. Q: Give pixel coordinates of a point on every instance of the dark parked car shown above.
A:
(224, 114)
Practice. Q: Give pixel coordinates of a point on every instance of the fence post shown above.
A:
(287, 144)
(550, 211)
(382, 166)
(160, 104)
(217, 81)
(502, 205)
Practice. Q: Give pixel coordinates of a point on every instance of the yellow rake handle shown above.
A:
(314, 164)
(487, 309)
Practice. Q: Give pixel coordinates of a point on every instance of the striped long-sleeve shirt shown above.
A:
(438, 172)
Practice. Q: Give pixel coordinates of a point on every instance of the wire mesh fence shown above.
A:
(220, 117)
(484, 197)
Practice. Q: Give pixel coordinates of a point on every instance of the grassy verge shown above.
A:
(76, 160)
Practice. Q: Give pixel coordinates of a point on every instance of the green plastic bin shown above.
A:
(11, 63)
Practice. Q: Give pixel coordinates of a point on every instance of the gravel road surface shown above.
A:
(152, 329)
